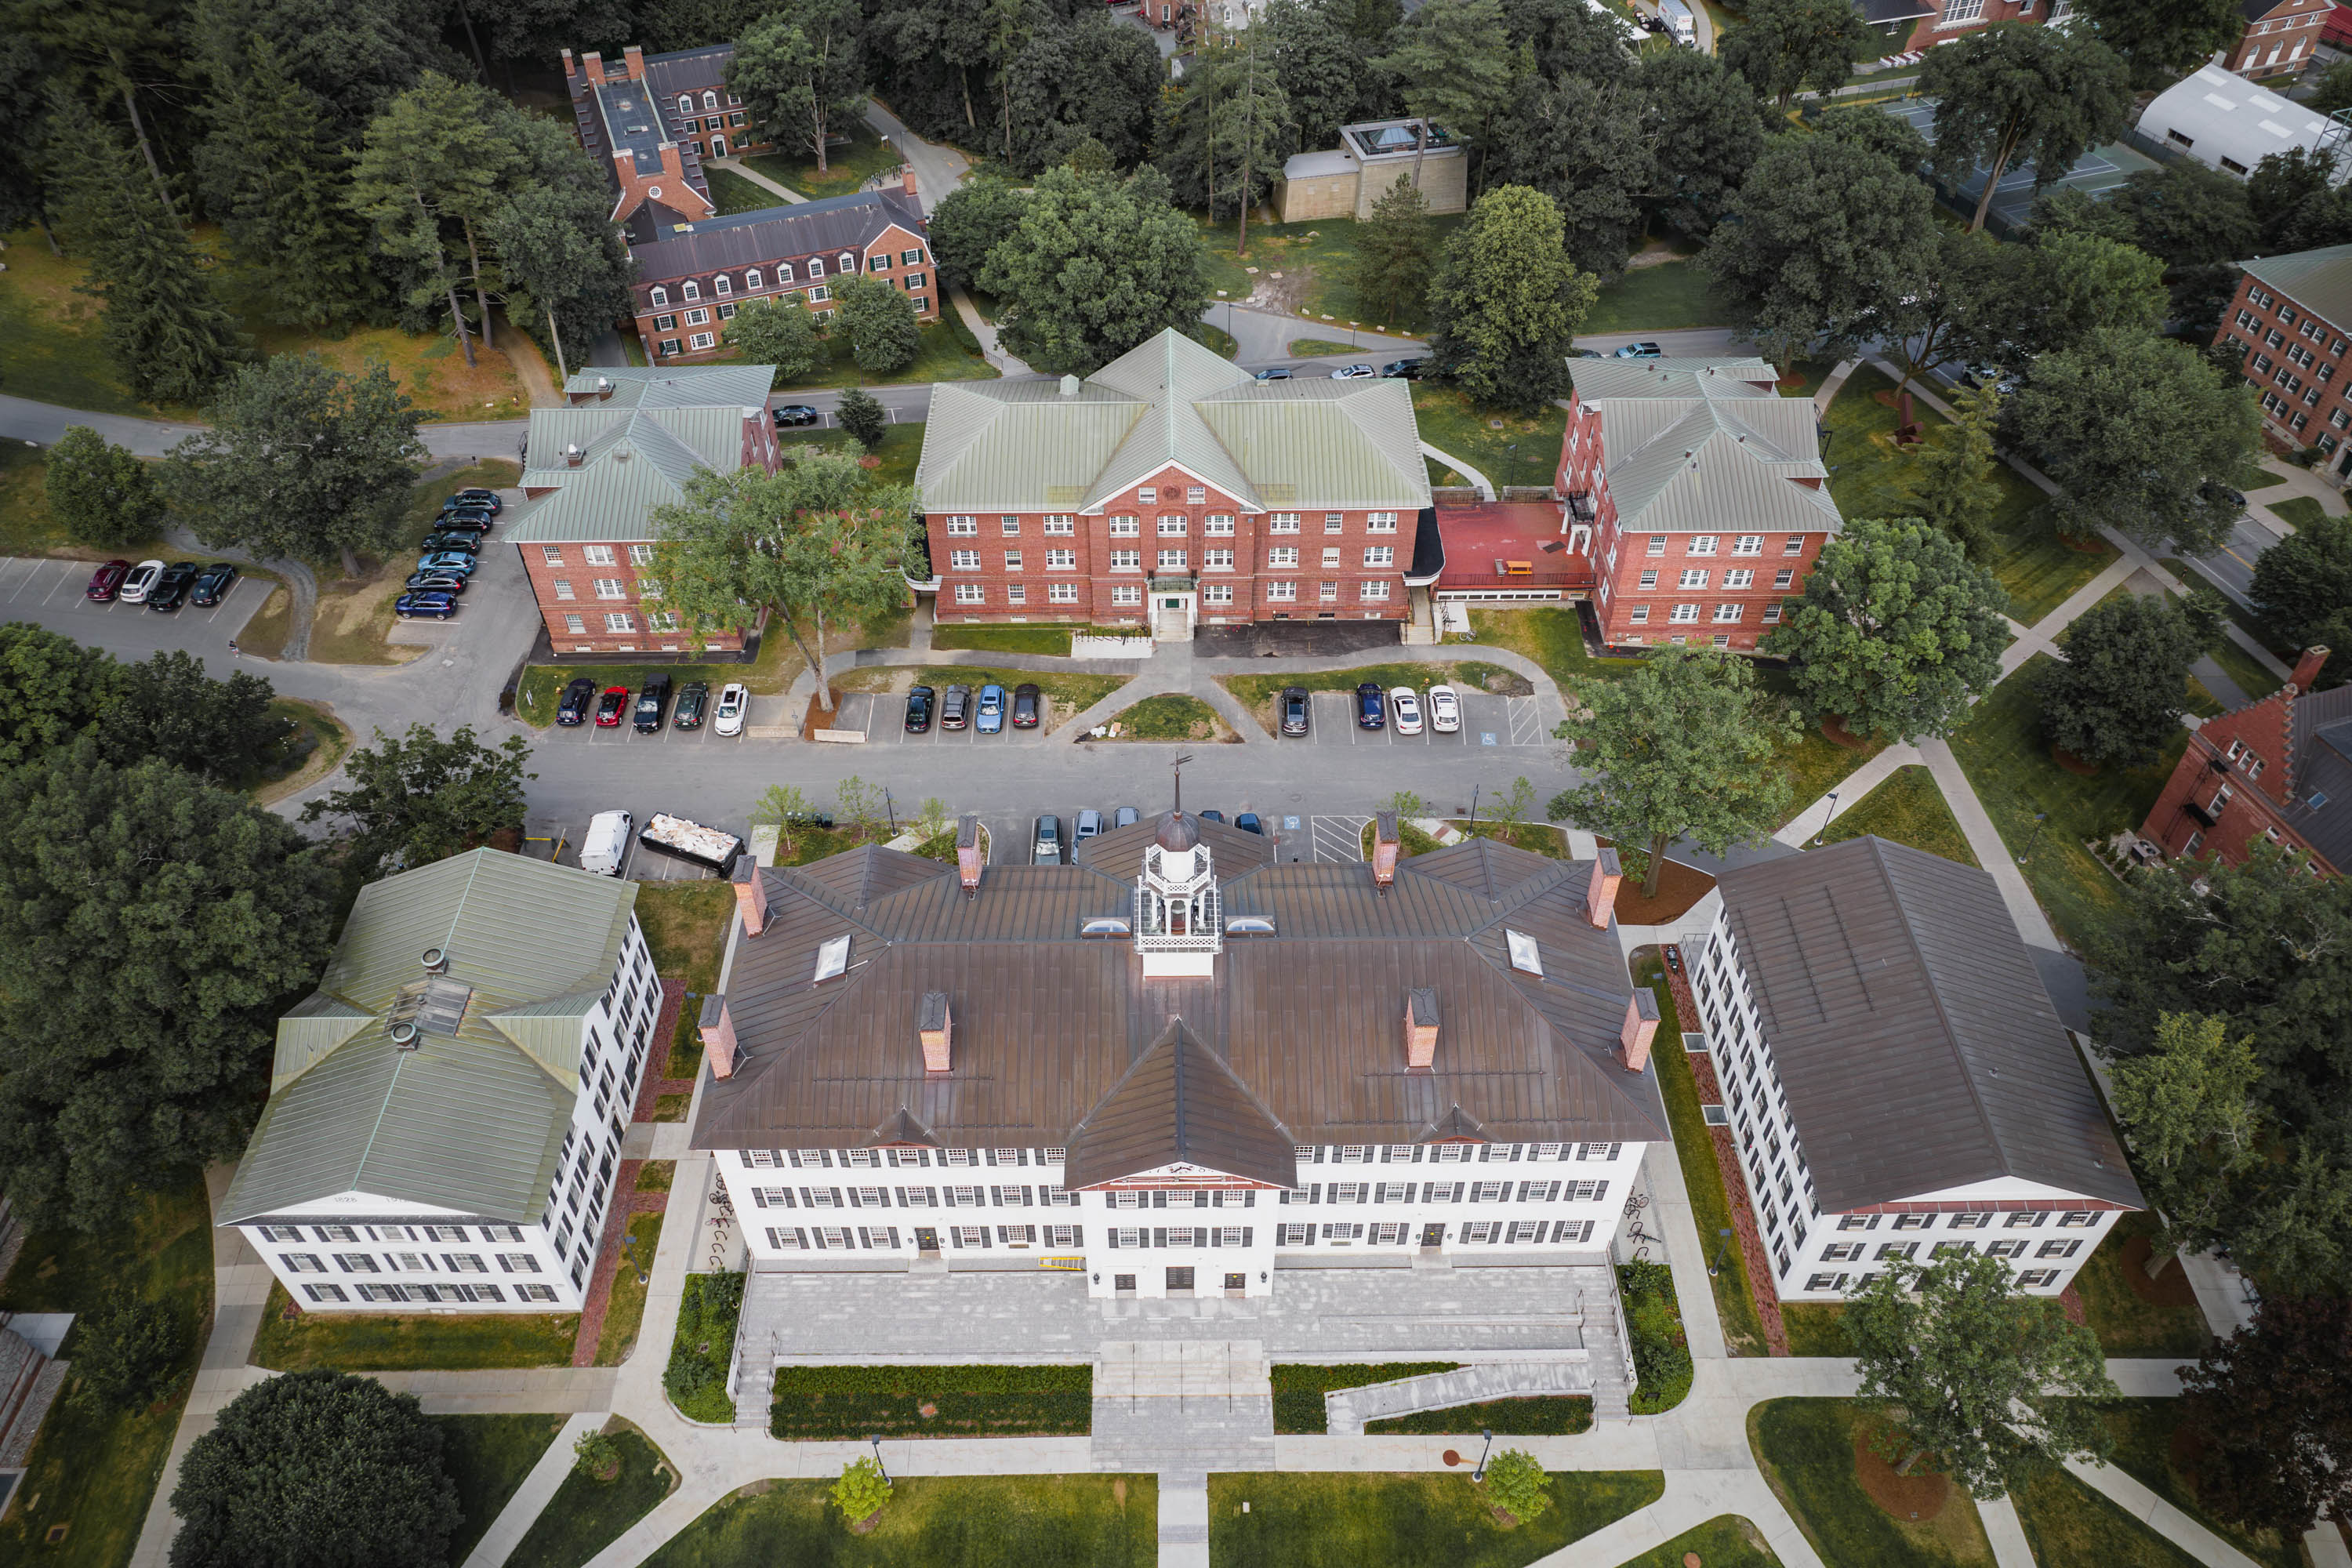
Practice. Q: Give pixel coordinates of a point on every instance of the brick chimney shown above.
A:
(2306, 668)
(717, 1028)
(1420, 1028)
(571, 67)
(1385, 850)
(968, 855)
(635, 56)
(1641, 1027)
(906, 179)
(750, 895)
(594, 65)
(934, 1024)
(1601, 893)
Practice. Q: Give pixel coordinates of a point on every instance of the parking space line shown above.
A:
(65, 576)
(15, 562)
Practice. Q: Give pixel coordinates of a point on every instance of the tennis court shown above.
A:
(2097, 171)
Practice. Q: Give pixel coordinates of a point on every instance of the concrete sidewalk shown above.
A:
(532, 1498)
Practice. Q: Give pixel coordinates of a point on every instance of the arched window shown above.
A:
(685, 103)
(709, 101)
(692, 290)
(660, 295)
(723, 284)
(752, 280)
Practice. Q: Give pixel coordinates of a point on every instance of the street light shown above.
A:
(1722, 1253)
(2035, 837)
(1826, 820)
(1480, 1473)
(877, 1459)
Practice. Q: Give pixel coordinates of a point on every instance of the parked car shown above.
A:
(212, 585)
(1294, 709)
(1215, 817)
(919, 703)
(1444, 709)
(1248, 822)
(456, 560)
(1028, 705)
(611, 706)
(476, 496)
(2222, 497)
(573, 710)
(1045, 849)
(171, 589)
(734, 699)
(797, 414)
(653, 701)
(140, 583)
(1126, 816)
(1407, 703)
(107, 582)
(1371, 707)
(426, 606)
(1404, 369)
(1090, 824)
(1641, 351)
(955, 708)
(1274, 372)
(435, 583)
(1354, 373)
(474, 523)
(456, 539)
(693, 701)
(1987, 374)
(990, 718)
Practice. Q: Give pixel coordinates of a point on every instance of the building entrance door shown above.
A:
(1433, 1234)
(925, 1238)
(1179, 1280)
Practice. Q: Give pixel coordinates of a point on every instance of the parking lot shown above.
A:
(48, 593)
(1487, 721)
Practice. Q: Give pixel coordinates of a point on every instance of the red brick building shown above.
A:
(1170, 488)
(2278, 771)
(657, 118)
(2292, 320)
(2281, 36)
(595, 471)
(1913, 24)
(1698, 495)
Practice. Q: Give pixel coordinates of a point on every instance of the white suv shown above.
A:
(732, 702)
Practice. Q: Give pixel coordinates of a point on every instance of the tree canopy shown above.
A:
(1960, 489)
(423, 798)
(778, 333)
(1706, 112)
(2165, 37)
(2016, 93)
(1897, 632)
(1683, 747)
(2303, 586)
(98, 492)
(1789, 44)
(1396, 256)
(2274, 1404)
(800, 71)
(2119, 695)
(1508, 303)
(1096, 266)
(880, 323)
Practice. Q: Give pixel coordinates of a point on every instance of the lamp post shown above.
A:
(877, 1459)
(2033, 838)
(1829, 818)
(1722, 1252)
(1480, 1473)
(891, 806)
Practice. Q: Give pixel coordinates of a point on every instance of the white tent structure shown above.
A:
(2227, 123)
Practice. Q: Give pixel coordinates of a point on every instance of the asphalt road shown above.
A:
(2232, 565)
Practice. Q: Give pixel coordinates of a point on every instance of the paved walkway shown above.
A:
(741, 170)
(1478, 481)
(532, 1498)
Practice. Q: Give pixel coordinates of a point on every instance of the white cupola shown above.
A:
(1179, 929)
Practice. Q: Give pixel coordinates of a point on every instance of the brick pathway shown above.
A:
(628, 1202)
(1735, 1184)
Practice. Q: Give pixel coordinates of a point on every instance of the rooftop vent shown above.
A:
(604, 386)
(1105, 926)
(404, 1037)
(624, 452)
(573, 455)
(1070, 386)
(437, 961)
(1249, 925)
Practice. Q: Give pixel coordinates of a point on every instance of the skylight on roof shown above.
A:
(831, 958)
(1524, 956)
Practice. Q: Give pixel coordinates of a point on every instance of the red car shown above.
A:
(611, 706)
(107, 582)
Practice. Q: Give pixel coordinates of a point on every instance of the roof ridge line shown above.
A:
(1936, 997)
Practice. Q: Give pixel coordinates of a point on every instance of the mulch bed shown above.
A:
(2170, 1288)
(1915, 1498)
(817, 717)
(2070, 1301)
(2073, 764)
(665, 1030)
(1679, 887)
(627, 1204)
(1834, 731)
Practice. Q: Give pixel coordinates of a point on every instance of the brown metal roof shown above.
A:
(1180, 1104)
(1911, 1030)
(1308, 1022)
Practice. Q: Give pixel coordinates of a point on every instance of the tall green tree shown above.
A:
(209, 912)
(1681, 748)
(2119, 693)
(1508, 303)
(1706, 113)
(767, 332)
(2303, 586)
(273, 174)
(971, 221)
(165, 328)
(1896, 632)
(1222, 134)
(1992, 1383)
(1870, 126)
(1972, 305)
(1455, 67)
(98, 492)
(166, 707)
(1396, 256)
(1791, 44)
(106, 52)
(1325, 71)
(423, 798)
(2081, 284)
(2188, 1106)
(1832, 239)
(862, 415)
(127, 1354)
(2198, 220)
(2164, 38)
(812, 544)
(2016, 93)
(1096, 266)
(24, 171)
(1094, 80)
(2274, 1404)
(1588, 147)
(300, 460)
(52, 689)
(562, 263)
(355, 57)
(1568, 39)
(2294, 201)
(1959, 490)
(881, 324)
(2130, 427)
(800, 71)
(317, 1468)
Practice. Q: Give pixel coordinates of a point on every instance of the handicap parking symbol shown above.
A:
(1486, 737)
(1290, 825)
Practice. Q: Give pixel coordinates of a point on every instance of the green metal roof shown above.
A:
(633, 457)
(472, 1117)
(676, 386)
(2318, 281)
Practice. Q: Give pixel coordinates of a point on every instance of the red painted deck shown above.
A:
(1479, 537)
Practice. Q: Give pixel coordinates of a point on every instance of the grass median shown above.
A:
(855, 1402)
(1304, 1520)
(966, 1522)
(1907, 809)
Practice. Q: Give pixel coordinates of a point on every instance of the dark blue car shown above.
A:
(431, 606)
(1371, 707)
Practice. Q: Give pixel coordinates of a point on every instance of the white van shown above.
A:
(606, 843)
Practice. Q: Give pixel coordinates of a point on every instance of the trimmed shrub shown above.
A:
(815, 1402)
(861, 1491)
(1661, 1358)
(696, 1378)
(1298, 1390)
(1518, 1485)
(1535, 1416)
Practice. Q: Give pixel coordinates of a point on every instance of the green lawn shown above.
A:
(2125, 1325)
(586, 1515)
(1555, 640)
(1172, 716)
(1727, 1541)
(625, 1312)
(2301, 511)
(685, 925)
(1735, 1302)
(487, 1457)
(1317, 263)
(2067, 1522)
(2145, 1432)
(1304, 1520)
(51, 349)
(854, 1402)
(900, 448)
(1869, 478)
(1067, 695)
(2008, 762)
(846, 168)
(1051, 639)
(966, 1522)
(1317, 348)
(1909, 809)
(1806, 1449)
(1656, 300)
(1535, 838)
(26, 526)
(1299, 1387)
(404, 1342)
(1815, 1328)
(92, 1469)
(1505, 447)
(1535, 1416)
(949, 353)
(734, 194)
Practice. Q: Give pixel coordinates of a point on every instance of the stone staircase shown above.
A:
(1184, 1406)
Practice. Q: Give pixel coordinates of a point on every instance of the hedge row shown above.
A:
(1654, 1322)
(933, 1380)
(1535, 1416)
(704, 1345)
(1298, 1390)
(795, 1417)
